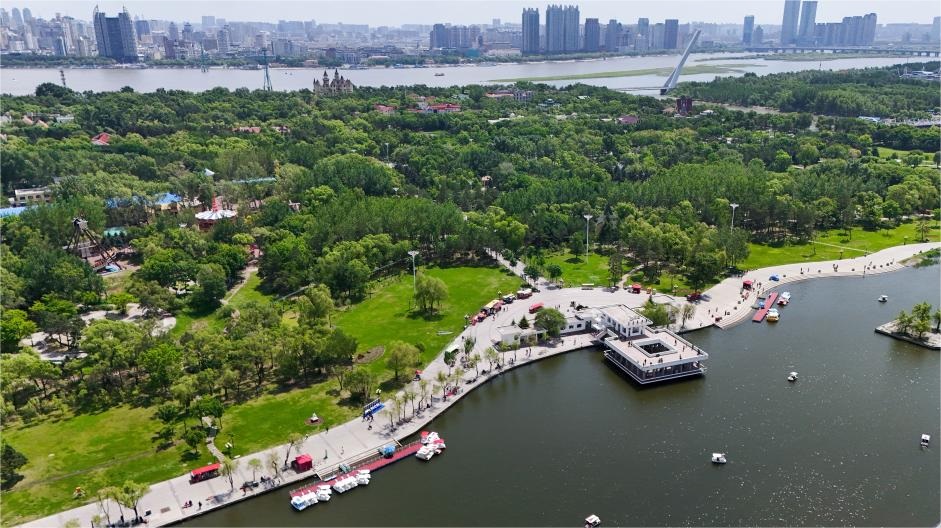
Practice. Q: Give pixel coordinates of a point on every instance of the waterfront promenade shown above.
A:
(354, 440)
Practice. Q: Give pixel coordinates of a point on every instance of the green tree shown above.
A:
(615, 268)
(14, 327)
(554, 271)
(130, 494)
(10, 461)
(658, 314)
(524, 323)
(120, 301)
(210, 288)
(430, 292)
(194, 436)
(400, 356)
(550, 320)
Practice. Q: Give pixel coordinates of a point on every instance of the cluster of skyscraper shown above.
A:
(63, 35)
(455, 37)
(565, 34)
(800, 28)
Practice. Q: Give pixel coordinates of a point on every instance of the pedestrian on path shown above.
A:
(200, 505)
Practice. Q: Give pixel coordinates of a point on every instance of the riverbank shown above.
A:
(932, 340)
(661, 72)
(355, 439)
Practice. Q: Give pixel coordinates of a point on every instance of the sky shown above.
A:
(397, 12)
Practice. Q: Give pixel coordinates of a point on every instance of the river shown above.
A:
(24, 81)
(550, 443)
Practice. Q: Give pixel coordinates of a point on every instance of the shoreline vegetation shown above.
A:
(660, 72)
(810, 57)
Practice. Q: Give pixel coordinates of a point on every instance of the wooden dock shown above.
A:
(769, 304)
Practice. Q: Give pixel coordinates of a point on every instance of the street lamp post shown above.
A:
(588, 218)
(734, 206)
(413, 253)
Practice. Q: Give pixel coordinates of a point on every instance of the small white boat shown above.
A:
(592, 520)
(718, 458)
(362, 477)
(784, 299)
(302, 502)
(925, 440)
(345, 484)
(773, 315)
(792, 376)
(323, 493)
(426, 452)
(883, 298)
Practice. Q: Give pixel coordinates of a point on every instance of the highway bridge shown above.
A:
(675, 76)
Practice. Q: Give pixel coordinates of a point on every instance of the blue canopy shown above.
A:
(11, 211)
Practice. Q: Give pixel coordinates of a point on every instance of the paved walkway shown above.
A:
(355, 440)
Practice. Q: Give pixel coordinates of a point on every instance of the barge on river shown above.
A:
(646, 354)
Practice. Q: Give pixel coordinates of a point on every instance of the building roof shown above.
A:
(11, 211)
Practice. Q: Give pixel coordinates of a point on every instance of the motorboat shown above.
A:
(425, 452)
(792, 376)
(773, 315)
(302, 502)
(592, 520)
(925, 440)
(784, 299)
(429, 437)
(718, 458)
(883, 298)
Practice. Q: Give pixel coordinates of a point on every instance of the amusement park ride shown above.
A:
(86, 245)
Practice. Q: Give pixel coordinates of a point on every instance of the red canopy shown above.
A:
(303, 459)
(205, 469)
(636, 286)
(747, 282)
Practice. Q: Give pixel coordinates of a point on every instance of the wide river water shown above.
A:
(24, 81)
(550, 443)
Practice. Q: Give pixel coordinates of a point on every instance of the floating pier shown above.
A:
(762, 312)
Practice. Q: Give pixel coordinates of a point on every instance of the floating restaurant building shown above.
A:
(646, 354)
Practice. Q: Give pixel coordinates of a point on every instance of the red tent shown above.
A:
(302, 463)
(747, 284)
(205, 472)
(636, 287)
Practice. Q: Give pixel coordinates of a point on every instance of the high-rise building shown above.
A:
(592, 35)
(757, 36)
(936, 29)
(141, 27)
(187, 34)
(612, 36)
(495, 23)
(115, 36)
(671, 29)
(643, 34)
(789, 23)
(530, 45)
(555, 42)
(4, 18)
(747, 29)
(17, 18)
(223, 37)
(808, 22)
(656, 36)
(27, 16)
(173, 33)
(440, 37)
(209, 22)
(570, 28)
(869, 30)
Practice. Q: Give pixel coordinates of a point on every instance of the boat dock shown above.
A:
(372, 463)
(769, 304)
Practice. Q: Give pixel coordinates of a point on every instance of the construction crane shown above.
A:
(267, 85)
(86, 245)
(675, 76)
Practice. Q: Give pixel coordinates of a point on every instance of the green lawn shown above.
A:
(187, 318)
(761, 255)
(666, 283)
(885, 152)
(91, 451)
(580, 269)
(268, 420)
(386, 315)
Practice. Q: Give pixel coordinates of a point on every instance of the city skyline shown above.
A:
(394, 13)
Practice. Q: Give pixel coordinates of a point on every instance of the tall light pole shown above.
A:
(413, 253)
(734, 206)
(588, 218)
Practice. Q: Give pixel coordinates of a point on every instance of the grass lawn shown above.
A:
(268, 420)
(385, 316)
(886, 152)
(761, 255)
(91, 451)
(186, 318)
(579, 269)
(664, 283)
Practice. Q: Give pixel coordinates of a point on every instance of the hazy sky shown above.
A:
(396, 12)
